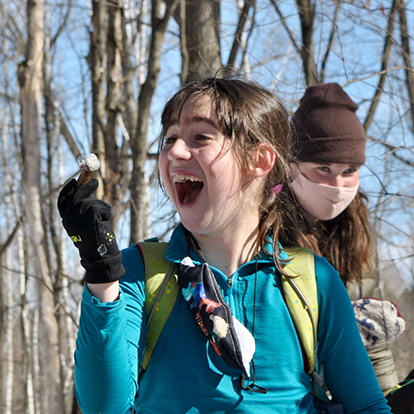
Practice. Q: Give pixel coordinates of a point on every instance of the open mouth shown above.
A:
(187, 187)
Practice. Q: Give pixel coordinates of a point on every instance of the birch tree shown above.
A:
(30, 81)
(139, 189)
(7, 353)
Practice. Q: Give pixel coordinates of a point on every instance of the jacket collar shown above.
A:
(179, 248)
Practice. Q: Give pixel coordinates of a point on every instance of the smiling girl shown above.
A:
(329, 152)
(223, 161)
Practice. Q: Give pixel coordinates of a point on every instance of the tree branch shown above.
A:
(372, 75)
(185, 58)
(393, 150)
(70, 140)
(330, 42)
(63, 25)
(385, 55)
(253, 24)
(239, 31)
(11, 24)
(284, 24)
(4, 246)
(307, 17)
(405, 46)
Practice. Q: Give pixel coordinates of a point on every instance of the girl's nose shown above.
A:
(179, 150)
(337, 181)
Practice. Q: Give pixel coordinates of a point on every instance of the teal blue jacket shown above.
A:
(186, 376)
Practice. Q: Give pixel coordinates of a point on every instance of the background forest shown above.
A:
(81, 76)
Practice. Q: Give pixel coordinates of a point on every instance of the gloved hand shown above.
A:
(85, 219)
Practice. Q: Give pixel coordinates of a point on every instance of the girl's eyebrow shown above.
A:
(194, 119)
(329, 164)
(202, 119)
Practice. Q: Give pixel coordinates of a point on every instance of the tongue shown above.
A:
(190, 190)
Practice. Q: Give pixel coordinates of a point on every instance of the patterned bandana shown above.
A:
(229, 338)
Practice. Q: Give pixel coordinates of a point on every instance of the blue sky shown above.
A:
(275, 64)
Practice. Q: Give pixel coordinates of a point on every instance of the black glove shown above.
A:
(85, 219)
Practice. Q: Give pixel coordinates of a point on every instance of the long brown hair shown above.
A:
(345, 241)
(249, 115)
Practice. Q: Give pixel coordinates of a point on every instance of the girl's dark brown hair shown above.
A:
(249, 115)
(345, 241)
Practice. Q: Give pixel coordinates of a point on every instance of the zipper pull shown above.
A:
(229, 282)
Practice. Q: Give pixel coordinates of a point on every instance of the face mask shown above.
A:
(322, 201)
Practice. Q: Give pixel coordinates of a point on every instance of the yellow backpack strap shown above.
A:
(300, 290)
(161, 290)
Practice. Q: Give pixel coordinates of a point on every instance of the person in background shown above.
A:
(329, 150)
(223, 160)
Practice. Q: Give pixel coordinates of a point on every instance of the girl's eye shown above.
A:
(350, 170)
(323, 168)
(200, 137)
(170, 140)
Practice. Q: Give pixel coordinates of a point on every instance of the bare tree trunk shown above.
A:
(6, 352)
(180, 16)
(330, 42)
(6, 302)
(389, 39)
(244, 41)
(66, 325)
(28, 383)
(113, 105)
(203, 38)
(98, 64)
(237, 43)
(52, 122)
(6, 276)
(405, 46)
(25, 324)
(185, 58)
(128, 70)
(128, 116)
(306, 49)
(9, 343)
(141, 44)
(307, 17)
(30, 80)
(36, 361)
(139, 182)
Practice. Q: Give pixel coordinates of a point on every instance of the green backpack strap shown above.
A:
(301, 294)
(300, 290)
(161, 290)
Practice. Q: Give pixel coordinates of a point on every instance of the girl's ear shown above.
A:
(264, 160)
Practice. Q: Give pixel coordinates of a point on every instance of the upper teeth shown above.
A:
(182, 178)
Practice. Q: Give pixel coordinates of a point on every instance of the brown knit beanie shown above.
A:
(326, 127)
